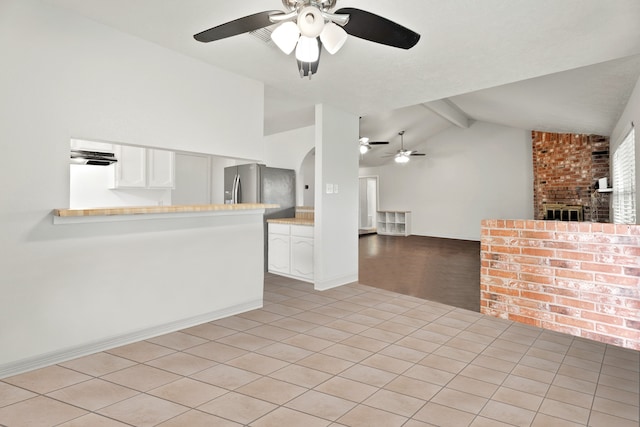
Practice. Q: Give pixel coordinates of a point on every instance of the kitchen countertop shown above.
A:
(291, 221)
(139, 210)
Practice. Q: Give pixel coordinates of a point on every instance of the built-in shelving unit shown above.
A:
(394, 223)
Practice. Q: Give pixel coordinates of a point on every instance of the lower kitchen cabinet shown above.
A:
(291, 251)
(279, 253)
(302, 257)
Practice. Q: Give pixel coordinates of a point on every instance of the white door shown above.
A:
(192, 185)
(368, 206)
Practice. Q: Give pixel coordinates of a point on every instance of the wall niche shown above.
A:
(566, 170)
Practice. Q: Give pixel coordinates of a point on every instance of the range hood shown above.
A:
(96, 158)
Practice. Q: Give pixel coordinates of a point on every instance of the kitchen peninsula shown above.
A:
(150, 212)
(111, 283)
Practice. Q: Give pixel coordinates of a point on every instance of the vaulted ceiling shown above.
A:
(565, 66)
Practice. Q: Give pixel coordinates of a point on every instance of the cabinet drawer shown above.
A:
(302, 230)
(279, 228)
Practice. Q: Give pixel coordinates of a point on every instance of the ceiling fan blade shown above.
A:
(369, 26)
(417, 154)
(378, 142)
(237, 26)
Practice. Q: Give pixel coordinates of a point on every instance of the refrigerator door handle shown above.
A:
(236, 186)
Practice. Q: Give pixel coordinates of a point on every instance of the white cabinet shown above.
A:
(279, 260)
(130, 171)
(291, 251)
(160, 169)
(302, 251)
(139, 167)
(394, 223)
(83, 144)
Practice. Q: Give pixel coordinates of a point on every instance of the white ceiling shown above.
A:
(564, 66)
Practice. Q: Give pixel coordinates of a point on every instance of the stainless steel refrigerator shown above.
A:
(255, 183)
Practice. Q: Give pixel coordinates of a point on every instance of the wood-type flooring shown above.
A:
(436, 269)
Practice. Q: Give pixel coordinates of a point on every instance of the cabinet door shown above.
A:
(130, 170)
(160, 169)
(279, 255)
(302, 257)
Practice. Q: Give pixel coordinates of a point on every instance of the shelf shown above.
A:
(605, 190)
(394, 223)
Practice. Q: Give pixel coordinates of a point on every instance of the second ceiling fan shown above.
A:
(402, 155)
(365, 144)
(309, 25)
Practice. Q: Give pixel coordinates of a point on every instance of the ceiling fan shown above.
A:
(309, 25)
(402, 155)
(365, 144)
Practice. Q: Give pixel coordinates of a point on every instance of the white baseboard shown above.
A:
(47, 359)
(335, 282)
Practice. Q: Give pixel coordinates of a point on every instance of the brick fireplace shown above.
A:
(566, 168)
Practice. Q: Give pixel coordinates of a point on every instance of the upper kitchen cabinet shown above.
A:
(139, 167)
(160, 169)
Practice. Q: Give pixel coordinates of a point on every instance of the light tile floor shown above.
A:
(351, 356)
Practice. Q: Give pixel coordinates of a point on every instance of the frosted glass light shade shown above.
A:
(364, 149)
(285, 36)
(401, 158)
(310, 22)
(308, 49)
(333, 37)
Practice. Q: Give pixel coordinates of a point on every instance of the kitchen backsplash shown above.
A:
(305, 212)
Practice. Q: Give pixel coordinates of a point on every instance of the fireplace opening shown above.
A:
(561, 212)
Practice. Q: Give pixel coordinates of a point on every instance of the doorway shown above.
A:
(368, 205)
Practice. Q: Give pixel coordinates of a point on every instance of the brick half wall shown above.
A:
(578, 278)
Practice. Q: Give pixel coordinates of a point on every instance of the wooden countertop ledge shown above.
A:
(291, 221)
(139, 210)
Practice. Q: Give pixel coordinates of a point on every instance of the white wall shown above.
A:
(336, 226)
(89, 189)
(61, 77)
(485, 171)
(307, 177)
(192, 180)
(288, 150)
(630, 114)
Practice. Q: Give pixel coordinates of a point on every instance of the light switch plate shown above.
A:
(335, 188)
(329, 188)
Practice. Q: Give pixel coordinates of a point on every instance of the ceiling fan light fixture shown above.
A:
(333, 37)
(317, 24)
(364, 148)
(401, 158)
(310, 22)
(308, 49)
(285, 36)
